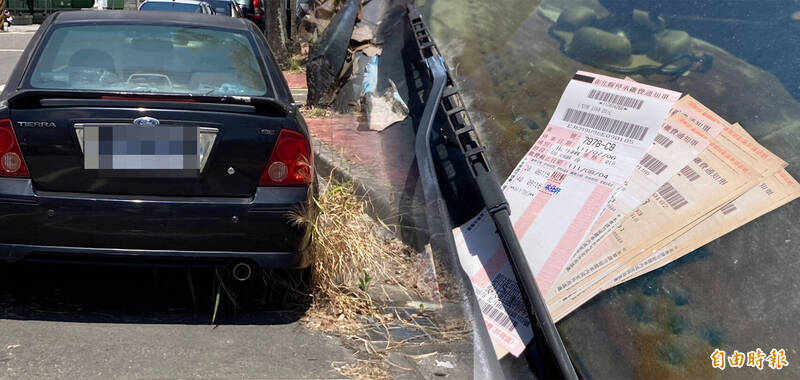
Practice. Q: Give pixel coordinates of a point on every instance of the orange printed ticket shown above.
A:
(771, 194)
(739, 161)
(775, 192)
(713, 179)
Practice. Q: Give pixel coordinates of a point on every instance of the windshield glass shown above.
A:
(222, 7)
(151, 59)
(171, 6)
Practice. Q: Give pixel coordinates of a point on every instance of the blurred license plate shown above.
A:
(146, 151)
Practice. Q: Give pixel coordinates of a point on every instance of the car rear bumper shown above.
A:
(40, 253)
(91, 227)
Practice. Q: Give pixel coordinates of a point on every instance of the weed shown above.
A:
(294, 64)
(363, 282)
(216, 305)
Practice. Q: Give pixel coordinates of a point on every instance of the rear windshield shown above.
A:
(149, 59)
(222, 7)
(171, 6)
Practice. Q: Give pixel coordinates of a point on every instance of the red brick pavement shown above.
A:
(295, 80)
(349, 136)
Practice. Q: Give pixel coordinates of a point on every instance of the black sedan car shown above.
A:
(138, 138)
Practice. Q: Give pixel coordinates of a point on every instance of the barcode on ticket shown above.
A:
(663, 140)
(672, 196)
(653, 164)
(502, 302)
(728, 208)
(496, 314)
(619, 100)
(690, 174)
(605, 124)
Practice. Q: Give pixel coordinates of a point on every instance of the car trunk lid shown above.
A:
(190, 146)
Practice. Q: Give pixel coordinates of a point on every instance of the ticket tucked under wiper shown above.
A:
(597, 135)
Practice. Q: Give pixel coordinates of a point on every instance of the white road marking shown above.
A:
(16, 50)
(2, 87)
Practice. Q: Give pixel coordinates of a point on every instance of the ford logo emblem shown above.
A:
(146, 121)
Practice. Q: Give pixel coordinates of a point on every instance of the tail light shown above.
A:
(290, 161)
(257, 9)
(11, 162)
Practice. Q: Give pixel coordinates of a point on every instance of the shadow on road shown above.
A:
(119, 294)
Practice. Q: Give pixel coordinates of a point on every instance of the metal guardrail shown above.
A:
(549, 354)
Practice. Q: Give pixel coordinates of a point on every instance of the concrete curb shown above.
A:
(328, 161)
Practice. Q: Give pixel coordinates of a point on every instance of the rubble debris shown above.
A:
(348, 98)
(386, 109)
(336, 84)
(373, 11)
(328, 55)
(308, 28)
(372, 50)
(360, 61)
(303, 7)
(363, 32)
(325, 11)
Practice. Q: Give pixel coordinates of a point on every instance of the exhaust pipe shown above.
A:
(242, 271)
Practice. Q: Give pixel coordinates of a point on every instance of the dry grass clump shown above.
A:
(314, 112)
(349, 253)
(365, 370)
(353, 253)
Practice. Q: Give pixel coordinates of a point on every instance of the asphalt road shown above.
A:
(81, 321)
(11, 45)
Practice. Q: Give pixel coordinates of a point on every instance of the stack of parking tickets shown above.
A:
(729, 180)
(626, 178)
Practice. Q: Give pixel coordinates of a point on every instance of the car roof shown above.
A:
(170, 18)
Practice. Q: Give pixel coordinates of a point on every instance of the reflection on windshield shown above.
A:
(152, 59)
